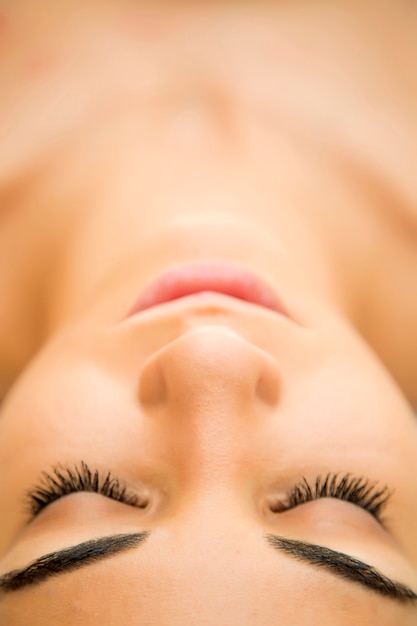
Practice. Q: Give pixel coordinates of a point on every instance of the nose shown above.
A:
(210, 366)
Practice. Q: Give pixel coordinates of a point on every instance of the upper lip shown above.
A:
(196, 277)
(159, 325)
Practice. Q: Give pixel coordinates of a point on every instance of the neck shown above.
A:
(191, 187)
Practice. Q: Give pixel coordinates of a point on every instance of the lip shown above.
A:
(196, 277)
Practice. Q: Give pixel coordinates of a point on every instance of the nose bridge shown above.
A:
(210, 367)
(206, 393)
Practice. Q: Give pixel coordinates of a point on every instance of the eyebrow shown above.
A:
(88, 552)
(344, 566)
(69, 559)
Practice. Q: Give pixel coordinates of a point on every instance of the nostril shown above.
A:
(152, 386)
(268, 388)
(210, 366)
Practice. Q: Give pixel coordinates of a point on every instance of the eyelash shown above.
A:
(65, 480)
(359, 491)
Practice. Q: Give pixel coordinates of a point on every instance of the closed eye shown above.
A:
(63, 481)
(360, 491)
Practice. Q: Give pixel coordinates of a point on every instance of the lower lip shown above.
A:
(208, 276)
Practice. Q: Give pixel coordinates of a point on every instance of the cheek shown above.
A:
(347, 391)
(61, 402)
(52, 417)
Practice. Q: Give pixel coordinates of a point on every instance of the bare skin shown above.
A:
(255, 134)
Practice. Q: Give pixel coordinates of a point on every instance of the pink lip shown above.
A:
(208, 276)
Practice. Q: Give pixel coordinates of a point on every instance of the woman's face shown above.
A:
(211, 412)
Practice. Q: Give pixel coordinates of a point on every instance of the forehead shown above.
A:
(205, 587)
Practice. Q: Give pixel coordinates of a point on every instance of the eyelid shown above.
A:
(360, 491)
(65, 480)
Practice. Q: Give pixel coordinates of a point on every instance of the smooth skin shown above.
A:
(282, 138)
